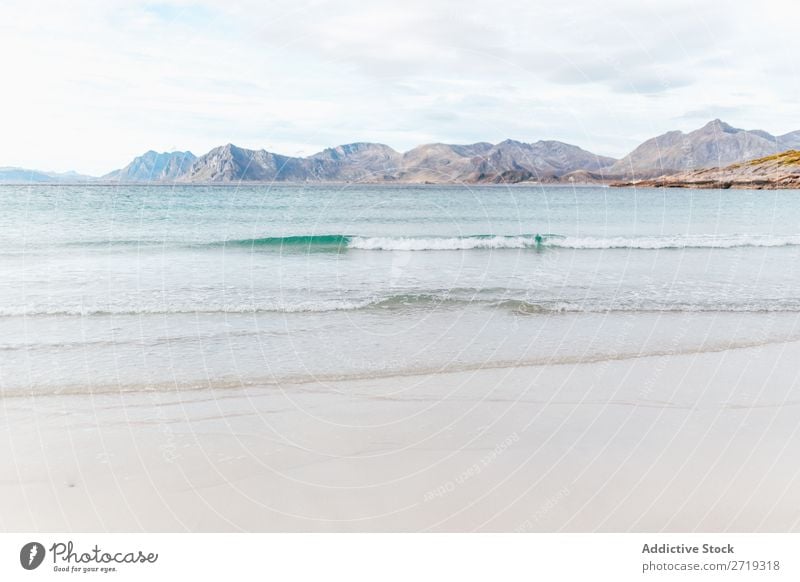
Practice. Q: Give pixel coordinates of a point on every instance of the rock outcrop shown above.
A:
(777, 171)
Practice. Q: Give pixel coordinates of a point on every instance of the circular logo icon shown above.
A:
(31, 555)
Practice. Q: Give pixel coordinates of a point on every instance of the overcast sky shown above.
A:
(89, 84)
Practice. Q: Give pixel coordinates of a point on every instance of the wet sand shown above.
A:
(692, 442)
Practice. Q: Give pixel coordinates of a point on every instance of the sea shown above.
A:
(107, 288)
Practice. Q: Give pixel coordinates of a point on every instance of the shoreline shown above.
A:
(700, 441)
(223, 385)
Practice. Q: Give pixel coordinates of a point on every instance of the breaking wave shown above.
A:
(340, 242)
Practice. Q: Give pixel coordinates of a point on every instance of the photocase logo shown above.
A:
(31, 555)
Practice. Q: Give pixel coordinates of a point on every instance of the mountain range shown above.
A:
(715, 145)
(508, 161)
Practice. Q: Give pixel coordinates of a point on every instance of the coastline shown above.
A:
(610, 182)
(700, 441)
(708, 185)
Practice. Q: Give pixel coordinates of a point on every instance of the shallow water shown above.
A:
(105, 288)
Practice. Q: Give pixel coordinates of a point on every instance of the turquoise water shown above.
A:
(106, 288)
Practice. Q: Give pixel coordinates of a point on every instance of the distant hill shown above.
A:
(25, 176)
(230, 163)
(716, 144)
(354, 162)
(511, 161)
(770, 172)
(153, 167)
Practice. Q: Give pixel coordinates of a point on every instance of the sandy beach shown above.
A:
(699, 441)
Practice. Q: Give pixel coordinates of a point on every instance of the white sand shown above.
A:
(706, 441)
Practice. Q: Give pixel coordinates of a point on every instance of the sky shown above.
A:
(89, 84)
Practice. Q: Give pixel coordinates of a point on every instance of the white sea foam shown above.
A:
(725, 241)
(441, 243)
(568, 242)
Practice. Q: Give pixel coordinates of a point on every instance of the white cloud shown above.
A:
(90, 84)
